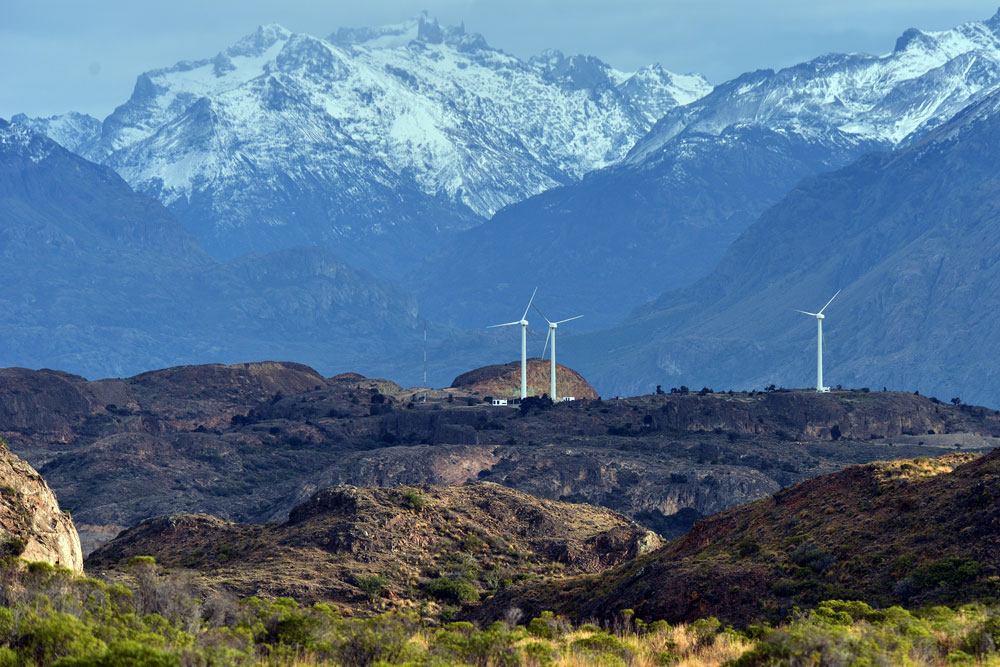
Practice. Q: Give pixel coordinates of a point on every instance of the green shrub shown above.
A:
(13, 547)
(295, 629)
(606, 645)
(124, 653)
(540, 627)
(747, 548)
(540, 653)
(471, 543)
(453, 590)
(414, 499)
(372, 585)
(951, 571)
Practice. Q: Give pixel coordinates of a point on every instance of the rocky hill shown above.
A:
(251, 441)
(906, 532)
(373, 548)
(31, 523)
(504, 380)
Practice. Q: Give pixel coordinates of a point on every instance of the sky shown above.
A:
(66, 55)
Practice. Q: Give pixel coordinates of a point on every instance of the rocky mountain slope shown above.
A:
(31, 524)
(665, 215)
(100, 280)
(373, 548)
(911, 239)
(907, 532)
(249, 442)
(373, 142)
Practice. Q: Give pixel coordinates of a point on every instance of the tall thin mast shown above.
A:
(552, 392)
(819, 354)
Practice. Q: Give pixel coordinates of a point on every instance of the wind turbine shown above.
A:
(552, 335)
(819, 343)
(524, 344)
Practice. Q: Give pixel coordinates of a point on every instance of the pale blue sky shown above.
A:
(84, 56)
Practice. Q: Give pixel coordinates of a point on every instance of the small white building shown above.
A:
(568, 398)
(499, 401)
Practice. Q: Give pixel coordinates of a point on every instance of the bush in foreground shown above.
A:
(49, 616)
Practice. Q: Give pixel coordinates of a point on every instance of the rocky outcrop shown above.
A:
(31, 523)
(480, 534)
(504, 380)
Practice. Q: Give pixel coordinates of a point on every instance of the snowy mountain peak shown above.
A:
(20, 140)
(257, 44)
(73, 131)
(422, 28)
(847, 100)
(289, 138)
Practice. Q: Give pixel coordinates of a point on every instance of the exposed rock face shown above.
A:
(504, 380)
(31, 524)
(407, 535)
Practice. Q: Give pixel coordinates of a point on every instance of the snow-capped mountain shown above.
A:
(665, 215)
(393, 133)
(849, 99)
(911, 237)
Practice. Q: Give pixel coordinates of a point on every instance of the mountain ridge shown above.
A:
(434, 128)
(915, 257)
(665, 215)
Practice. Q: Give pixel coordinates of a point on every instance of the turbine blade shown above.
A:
(532, 334)
(542, 314)
(506, 324)
(795, 309)
(546, 341)
(829, 302)
(530, 301)
(569, 319)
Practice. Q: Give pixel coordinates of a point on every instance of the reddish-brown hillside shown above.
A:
(504, 380)
(907, 532)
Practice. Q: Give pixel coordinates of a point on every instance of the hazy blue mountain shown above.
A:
(100, 280)
(377, 142)
(665, 215)
(913, 239)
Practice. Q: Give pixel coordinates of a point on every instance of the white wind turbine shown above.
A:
(819, 343)
(524, 344)
(552, 335)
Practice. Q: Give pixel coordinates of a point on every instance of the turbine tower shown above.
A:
(819, 343)
(552, 334)
(524, 344)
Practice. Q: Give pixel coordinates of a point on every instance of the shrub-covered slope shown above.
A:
(377, 546)
(906, 532)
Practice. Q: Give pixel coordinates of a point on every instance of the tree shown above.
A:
(956, 401)
(531, 403)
